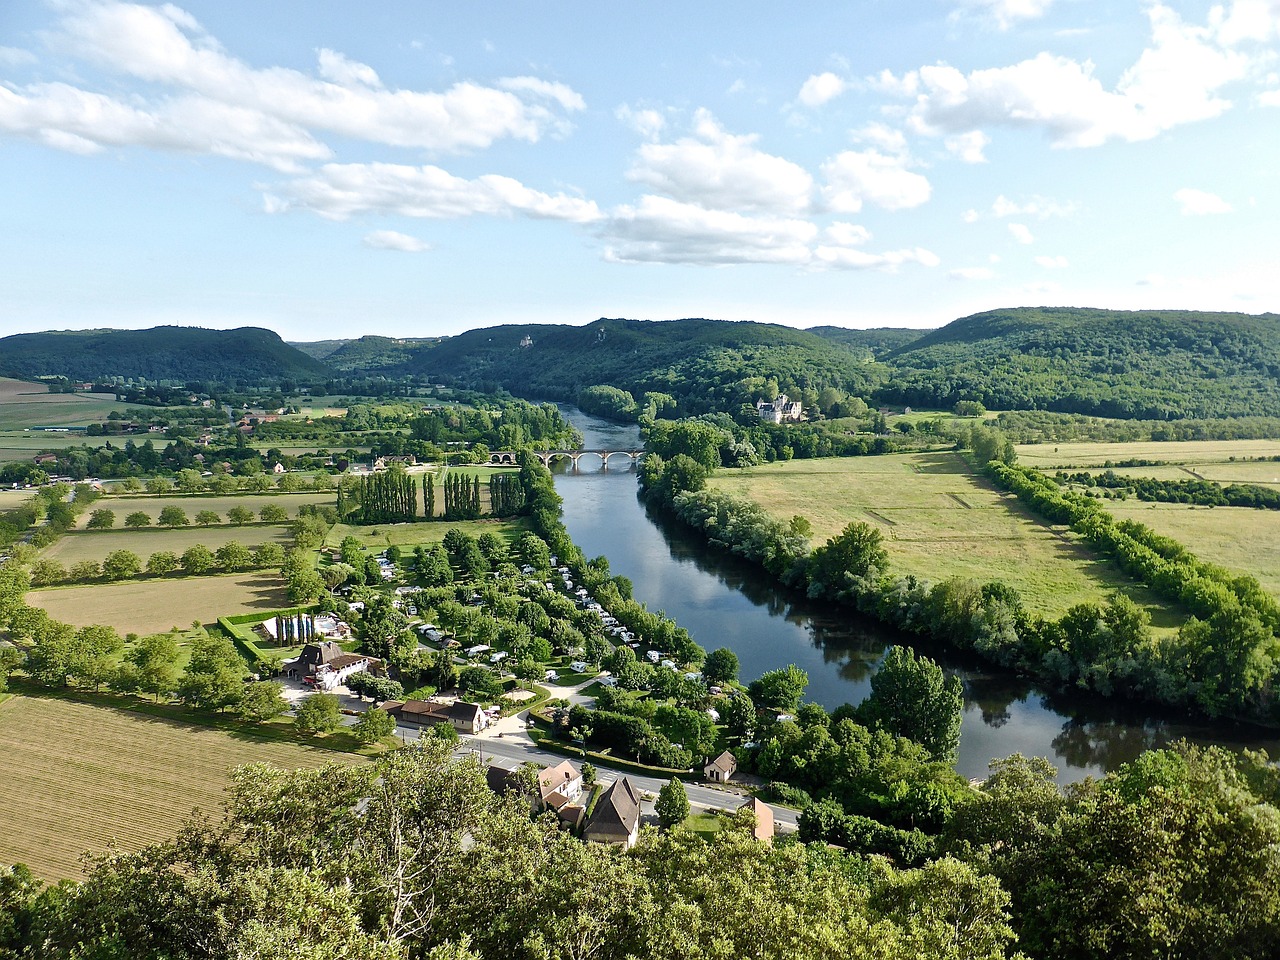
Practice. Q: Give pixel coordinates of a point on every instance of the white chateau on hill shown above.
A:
(783, 408)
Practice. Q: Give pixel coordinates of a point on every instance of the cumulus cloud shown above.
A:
(1178, 79)
(338, 191)
(822, 88)
(646, 122)
(718, 170)
(1005, 13)
(1052, 263)
(1021, 233)
(855, 177)
(391, 240)
(662, 230)
(969, 146)
(971, 273)
(1042, 208)
(889, 261)
(847, 234)
(280, 108)
(1200, 203)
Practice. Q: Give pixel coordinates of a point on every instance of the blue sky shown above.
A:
(329, 169)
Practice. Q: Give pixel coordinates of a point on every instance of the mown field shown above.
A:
(1240, 539)
(123, 504)
(153, 606)
(24, 444)
(96, 544)
(940, 520)
(378, 537)
(13, 498)
(1051, 456)
(25, 404)
(80, 777)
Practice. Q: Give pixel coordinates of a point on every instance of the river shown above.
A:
(725, 602)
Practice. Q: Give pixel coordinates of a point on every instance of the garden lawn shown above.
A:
(940, 520)
(79, 777)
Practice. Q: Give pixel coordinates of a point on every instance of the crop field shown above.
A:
(80, 777)
(25, 404)
(153, 606)
(96, 544)
(378, 537)
(1051, 456)
(25, 444)
(939, 520)
(123, 505)
(1238, 538)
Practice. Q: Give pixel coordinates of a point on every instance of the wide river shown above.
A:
(724, 602)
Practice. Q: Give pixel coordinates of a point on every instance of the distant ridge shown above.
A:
(159, 353)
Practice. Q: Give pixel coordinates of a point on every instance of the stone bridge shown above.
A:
(502, 458)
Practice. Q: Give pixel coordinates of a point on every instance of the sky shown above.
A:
(413, 168)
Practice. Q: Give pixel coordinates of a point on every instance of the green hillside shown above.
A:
(373, 354)
(871, 343)
(705, 364)
(160, 353)
(1157, 364)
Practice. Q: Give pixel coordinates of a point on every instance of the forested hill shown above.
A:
(704, 364)
(871, 343)
(1157, 364)
(373, 354)
(160, 353)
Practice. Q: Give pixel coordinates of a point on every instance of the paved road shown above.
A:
(516, 748)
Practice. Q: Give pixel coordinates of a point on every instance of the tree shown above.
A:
(162, 562)
(154, 660)
(779, 689)
(234, 556)
(720, 667)
(374, 725)
(239, 516)
(121, 564)
(11, 659)
(172, 516)
(197, 560)
(268, 555)
(213, 679)
(102, 519)
(159, 485)
(273, 513)
(912, 698)
(672, 805)
(319, 713)
(207, 518)
(262, 701)
(138, 519)
(858, 551)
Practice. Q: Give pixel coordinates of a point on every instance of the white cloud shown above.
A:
(1021, 233)
(391, 240)
(16, 57)
(1177, 79)
(971, 273)
(969, 146)
(1006, 13)
(882, 137)
(168, 47)
(68, 118)
(719, 170)
(1053, 263)
(661, 230)
(857, 176)
(1199, 203)
(822, 88)
(847, 234)
(647, 123)
(889, 261)
(1042, 208)
(338, 191)
(971, 216)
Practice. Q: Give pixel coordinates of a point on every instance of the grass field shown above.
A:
(1050, 456)
(1240, 539)
(378, 538)
(939, 520)
(152, 606)
(96, 544)
(25, 404)
(24, 444)
(125, 504)
(13, 498)
(81, 777)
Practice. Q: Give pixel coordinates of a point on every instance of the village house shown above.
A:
(328, 665)
(616, 817)
(721, 768)
(559, 788)
(466, 717)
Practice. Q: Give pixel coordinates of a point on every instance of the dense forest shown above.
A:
(1156, 365)
(160, 353)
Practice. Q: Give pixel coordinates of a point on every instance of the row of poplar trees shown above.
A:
(392, 497)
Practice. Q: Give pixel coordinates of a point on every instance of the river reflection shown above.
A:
(724, 601)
